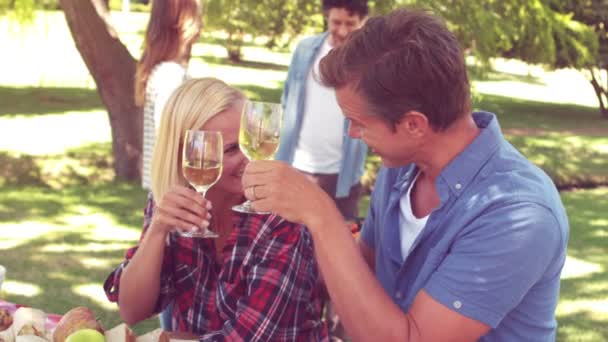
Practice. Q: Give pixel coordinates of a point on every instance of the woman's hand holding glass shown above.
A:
(183, 209)
(203, 153)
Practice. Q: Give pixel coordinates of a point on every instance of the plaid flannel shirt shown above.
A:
(267, 288)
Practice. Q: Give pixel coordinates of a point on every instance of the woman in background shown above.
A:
(174, 26)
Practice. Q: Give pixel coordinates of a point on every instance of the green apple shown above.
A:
(86, 335)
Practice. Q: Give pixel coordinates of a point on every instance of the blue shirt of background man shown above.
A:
(494, 248)
(354, 151)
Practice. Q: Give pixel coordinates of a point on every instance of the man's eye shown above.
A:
(231, 149)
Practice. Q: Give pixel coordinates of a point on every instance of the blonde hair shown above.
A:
(189, 107)
(173, 27)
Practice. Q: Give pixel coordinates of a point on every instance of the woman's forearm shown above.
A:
(143, 271)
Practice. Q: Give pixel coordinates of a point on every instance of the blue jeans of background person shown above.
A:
(165, 318)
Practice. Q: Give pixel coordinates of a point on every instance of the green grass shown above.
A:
(59, 245)
(64, 223)
(517, 113)
(583, 308)
(38, 101)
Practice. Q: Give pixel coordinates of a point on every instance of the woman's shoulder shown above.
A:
(167, 71)
(168, 66)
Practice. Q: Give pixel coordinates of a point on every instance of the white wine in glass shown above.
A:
(259, 136)
(203, 152)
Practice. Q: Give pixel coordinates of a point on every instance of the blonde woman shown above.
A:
(174, 26)
(258, 281)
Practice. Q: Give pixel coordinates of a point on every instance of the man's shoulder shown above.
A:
(312, 41)
(517, 177)
(510, 188)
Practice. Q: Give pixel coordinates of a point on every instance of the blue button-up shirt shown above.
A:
(493, 250)
(354, 151)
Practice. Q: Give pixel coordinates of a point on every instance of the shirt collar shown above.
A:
(462, 169)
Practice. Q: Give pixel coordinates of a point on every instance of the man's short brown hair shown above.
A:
(405, 61)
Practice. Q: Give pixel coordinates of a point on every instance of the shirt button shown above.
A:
(457, 304)
(458, 186)
(398, 295)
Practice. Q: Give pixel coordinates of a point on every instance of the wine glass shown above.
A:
(203, 152)
(259, 136)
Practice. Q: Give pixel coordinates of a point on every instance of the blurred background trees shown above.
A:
(278, 21)
(553, 33)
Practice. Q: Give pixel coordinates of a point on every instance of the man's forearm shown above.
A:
(363, 306)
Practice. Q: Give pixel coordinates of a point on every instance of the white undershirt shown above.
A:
(409, 225)
(319, 147)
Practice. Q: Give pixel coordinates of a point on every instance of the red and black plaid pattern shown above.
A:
(265, 290)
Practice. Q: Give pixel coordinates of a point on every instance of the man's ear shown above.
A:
(414, 124)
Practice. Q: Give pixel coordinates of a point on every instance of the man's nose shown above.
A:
(342, 31)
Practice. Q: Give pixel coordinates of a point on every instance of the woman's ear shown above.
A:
(413, 124)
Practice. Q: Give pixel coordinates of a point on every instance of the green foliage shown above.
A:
(276, 20)
(22, 10)
(556, 33)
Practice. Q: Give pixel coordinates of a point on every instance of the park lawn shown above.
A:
(74, 236)
(62, 214)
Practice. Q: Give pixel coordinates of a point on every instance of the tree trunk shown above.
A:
(234, 45)
(600, 93)
(113, 69)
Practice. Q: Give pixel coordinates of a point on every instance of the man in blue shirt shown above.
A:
(465, 239)
(314, 135)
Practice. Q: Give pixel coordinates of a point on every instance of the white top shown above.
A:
(409, 225)
(319, 147)
(163, 80)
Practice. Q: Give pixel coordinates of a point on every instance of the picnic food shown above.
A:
(5, 319)
(158, 335)
(86, 335)
(28, 321)
(76, 319)
(30, 338)
(7, 335)
(120, 333)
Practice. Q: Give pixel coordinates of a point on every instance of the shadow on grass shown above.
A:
(517, 113)
(580, 295)
(47, 187)
(587, 214)
(244, 64)
(35, 101)
(67, 278)
(122, 202)
(570, 161)
(582, 326)
(87, 164)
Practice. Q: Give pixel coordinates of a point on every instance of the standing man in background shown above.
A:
(314, 139)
